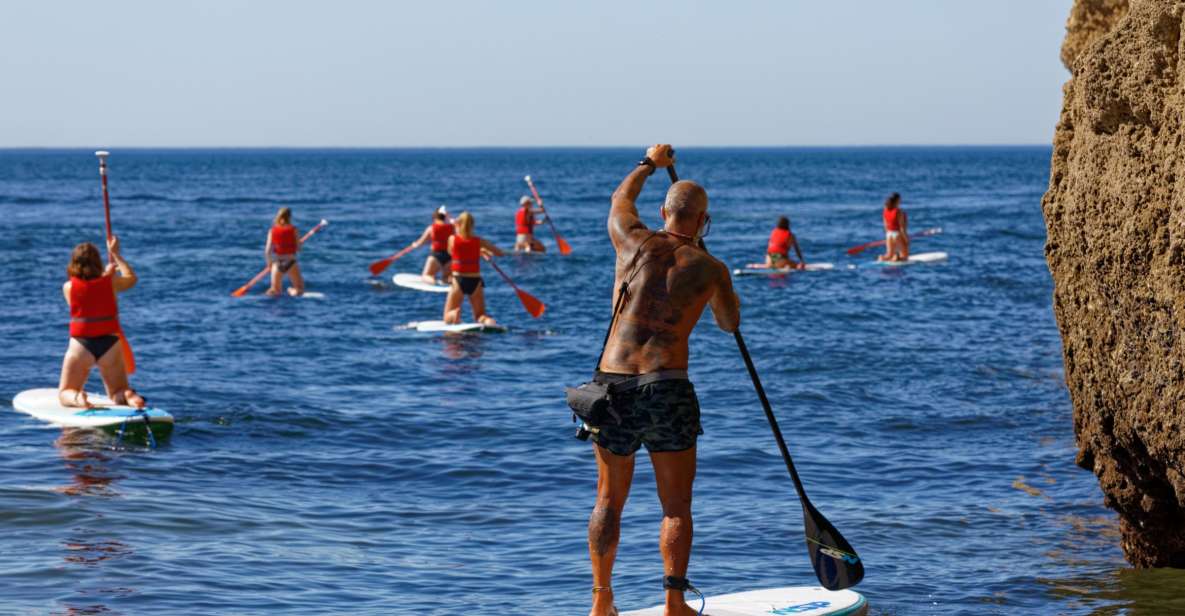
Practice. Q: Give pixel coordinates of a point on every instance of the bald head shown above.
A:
(686, 200)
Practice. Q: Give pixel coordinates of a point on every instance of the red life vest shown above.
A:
(93, 311)
(441, 231)
(779, 242)
(524, 221)
(466, 255)
(890, 216)
(283, 239)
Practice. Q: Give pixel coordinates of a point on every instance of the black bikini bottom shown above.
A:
(98, 345)
(469, 284)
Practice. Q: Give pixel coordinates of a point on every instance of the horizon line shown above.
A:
(514, 147)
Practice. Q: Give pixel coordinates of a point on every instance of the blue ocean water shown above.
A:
(327, 461)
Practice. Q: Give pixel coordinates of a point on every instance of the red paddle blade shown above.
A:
(565, 249)
(855, 250)
(241, 291)
(377, 267)
(531, 303)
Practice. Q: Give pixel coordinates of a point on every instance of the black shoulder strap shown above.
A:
(621, 293)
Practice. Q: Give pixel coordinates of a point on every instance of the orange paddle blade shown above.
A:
(531, 303)
(129, 358)
(565, 249)
(377, 267)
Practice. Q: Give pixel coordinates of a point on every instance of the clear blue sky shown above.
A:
(532, 72)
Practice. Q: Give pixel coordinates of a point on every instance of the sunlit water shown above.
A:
(326, 461)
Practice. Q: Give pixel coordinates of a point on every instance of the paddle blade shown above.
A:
(835, 561)
(241, 291)
(565, 249)
(129, 358)
(377, 267)
(855, 250)
(531, 303)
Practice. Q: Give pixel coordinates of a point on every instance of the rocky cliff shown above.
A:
(1115, 213)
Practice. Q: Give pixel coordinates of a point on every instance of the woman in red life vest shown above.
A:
(466, 250)
(896, 230)
(524, 228)
(777, 253)
(94, 326)
(280, 253)
(437, 233)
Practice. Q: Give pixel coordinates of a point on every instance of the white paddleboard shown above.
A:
(43, 404)
(781, 271)
(458, 328)
(414, 281)
(286, 294)
(915, 259)
(788, 601)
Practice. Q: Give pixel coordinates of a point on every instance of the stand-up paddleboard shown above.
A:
(287, 295)
(779, 271)
(456, 328)
(916, 259)
(788, 601)
(414, 281)
(106, 415)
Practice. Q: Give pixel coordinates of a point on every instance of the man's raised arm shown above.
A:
(623, 215)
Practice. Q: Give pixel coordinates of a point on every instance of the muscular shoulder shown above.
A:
(703, 267)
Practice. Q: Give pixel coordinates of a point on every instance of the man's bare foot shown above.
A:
(679, 608)
(486, 320)
(427, 279)
(603, 603)
(294, 292)
(272, 292)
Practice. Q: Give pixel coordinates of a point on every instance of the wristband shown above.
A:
(646, 162)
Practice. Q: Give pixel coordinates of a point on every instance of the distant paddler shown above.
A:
(437, 236)
(95, 331)
(777, 252)
(525, 220)
(280, 254)
(896, 230)
(466, 251)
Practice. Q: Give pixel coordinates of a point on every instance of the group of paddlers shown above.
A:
(663, 281)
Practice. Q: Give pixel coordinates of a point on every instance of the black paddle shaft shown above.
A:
(769, 415)
(836, 564)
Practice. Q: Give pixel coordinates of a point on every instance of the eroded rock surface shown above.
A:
(1116, 249)
(1089, 19)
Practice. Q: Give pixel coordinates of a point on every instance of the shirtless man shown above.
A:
(671, 278)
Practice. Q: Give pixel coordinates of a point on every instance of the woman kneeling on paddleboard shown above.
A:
(466, 250)
(438, 260)
(280, 254)
(777, 254)
(94, 326)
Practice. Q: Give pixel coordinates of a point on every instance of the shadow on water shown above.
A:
(1132, 592)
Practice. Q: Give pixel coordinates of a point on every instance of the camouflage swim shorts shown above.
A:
(663, 416)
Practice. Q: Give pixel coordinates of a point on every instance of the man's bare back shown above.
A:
(669, 287)
(671, 280)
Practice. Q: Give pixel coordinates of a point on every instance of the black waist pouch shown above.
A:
(592, 403)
